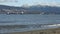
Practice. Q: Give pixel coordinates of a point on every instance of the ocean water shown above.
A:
(26, 22)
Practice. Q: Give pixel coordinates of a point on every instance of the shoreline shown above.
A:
(45, 31)
(44, 27)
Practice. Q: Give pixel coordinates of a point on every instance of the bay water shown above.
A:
(24, 22)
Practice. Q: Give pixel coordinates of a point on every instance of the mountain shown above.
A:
(45, 8)
(9, 7)
(34, 9)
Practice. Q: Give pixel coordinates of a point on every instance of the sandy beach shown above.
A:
(45, 31)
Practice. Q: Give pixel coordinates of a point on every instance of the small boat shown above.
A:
(8, 13)
(22, 12)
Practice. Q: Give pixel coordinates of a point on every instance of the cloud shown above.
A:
(30, 2)
(50, 4)
(2, 1)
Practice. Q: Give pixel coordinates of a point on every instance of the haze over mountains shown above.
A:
(30, 9)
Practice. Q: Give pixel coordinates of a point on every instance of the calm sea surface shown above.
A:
(29, 19)
(26, 19)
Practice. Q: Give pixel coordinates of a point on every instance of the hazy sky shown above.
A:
(30, 2)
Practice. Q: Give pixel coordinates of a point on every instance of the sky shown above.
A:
(30, 2)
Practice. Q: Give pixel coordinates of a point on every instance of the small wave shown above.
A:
(7, 21)
(28, 26)
(14, 26)
(31, 27)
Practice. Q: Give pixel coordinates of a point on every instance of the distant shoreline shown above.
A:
(28, 13)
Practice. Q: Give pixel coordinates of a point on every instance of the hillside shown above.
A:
(31, 9)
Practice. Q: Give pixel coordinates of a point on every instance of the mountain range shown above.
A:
(36, 8)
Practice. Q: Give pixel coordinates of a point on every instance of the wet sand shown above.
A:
(46, 31)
